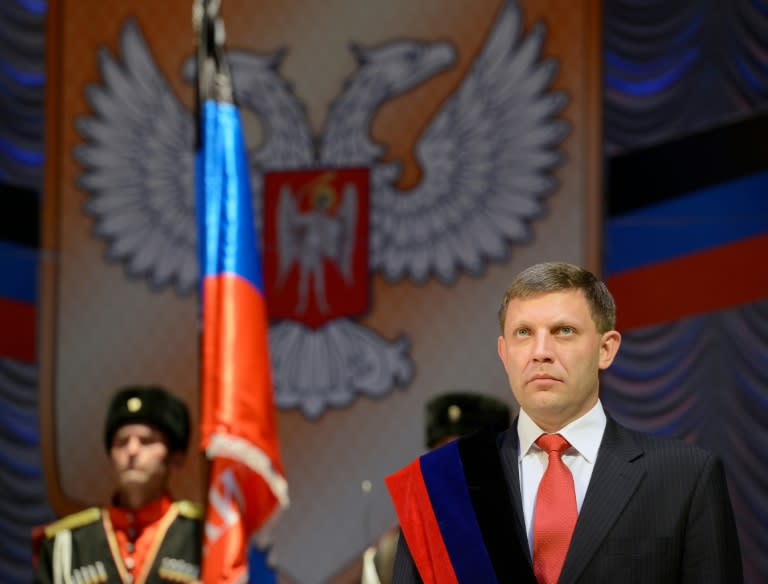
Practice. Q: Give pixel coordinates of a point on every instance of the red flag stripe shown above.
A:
(693, 284)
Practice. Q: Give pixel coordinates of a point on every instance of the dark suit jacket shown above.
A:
(656, 510)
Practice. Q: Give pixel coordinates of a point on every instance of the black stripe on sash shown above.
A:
(493, 508)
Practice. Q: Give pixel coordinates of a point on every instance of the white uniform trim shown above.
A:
(62, 557)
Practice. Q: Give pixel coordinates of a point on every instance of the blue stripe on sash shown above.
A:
(443, 475)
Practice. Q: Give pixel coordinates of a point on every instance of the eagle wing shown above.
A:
(138, 155)
(289, 242)
(138, 160)
(486, 158)
(348, 226)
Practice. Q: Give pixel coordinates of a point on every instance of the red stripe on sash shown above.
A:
(419, 525)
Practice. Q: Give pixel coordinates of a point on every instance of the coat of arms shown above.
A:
(316, 244)
(328, 207)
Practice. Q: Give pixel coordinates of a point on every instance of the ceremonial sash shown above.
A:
(456, 515)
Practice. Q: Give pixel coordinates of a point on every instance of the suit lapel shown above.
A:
(614, 481)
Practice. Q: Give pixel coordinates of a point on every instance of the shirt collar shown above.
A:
(584, 433)
(138, 518)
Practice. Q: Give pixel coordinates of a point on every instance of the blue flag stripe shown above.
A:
(691, 223)
(229, 236)
(259, 571)
(18, 272)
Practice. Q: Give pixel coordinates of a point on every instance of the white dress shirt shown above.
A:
(584, 435)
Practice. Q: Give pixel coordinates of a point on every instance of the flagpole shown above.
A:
(204, 14)
(200, 24)
(245, 484)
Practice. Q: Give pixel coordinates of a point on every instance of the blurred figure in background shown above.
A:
(448, 416)
(143, 535)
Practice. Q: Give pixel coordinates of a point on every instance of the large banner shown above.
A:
(406, 159)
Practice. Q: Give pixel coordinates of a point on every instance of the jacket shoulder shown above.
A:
(189, 510)
(663, 442)
(79, 519)
(668, 449)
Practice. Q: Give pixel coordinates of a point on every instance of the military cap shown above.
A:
(462, 412)
(151, 405)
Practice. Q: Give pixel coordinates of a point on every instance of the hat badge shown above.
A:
(454, 413)
(133, 404)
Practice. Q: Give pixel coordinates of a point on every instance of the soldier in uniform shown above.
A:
(143, 536)
(448, 416)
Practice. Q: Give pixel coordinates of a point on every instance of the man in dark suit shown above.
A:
(566, 494)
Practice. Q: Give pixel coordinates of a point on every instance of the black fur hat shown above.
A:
(149, 405)
(462, 412)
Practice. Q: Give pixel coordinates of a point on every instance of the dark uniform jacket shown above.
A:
(656, 510)
(379, 559)
(82, 549)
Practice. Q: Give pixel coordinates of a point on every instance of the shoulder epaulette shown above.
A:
(189, 509)
(73, 521)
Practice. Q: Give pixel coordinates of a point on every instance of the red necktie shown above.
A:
(555, 515)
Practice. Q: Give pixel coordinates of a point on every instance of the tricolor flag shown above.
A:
(246, 487)
(683, 220)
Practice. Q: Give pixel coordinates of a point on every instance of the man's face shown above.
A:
(141, 460)
(552, 351)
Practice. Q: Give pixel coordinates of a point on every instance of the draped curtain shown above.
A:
(670, 68)
(24, 503)
(22, 85)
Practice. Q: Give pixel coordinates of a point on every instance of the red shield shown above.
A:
(316, 244)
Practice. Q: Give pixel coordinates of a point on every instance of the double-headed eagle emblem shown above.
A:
(329, 205)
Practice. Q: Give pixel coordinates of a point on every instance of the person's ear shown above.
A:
(501, 349)
(609, 346)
